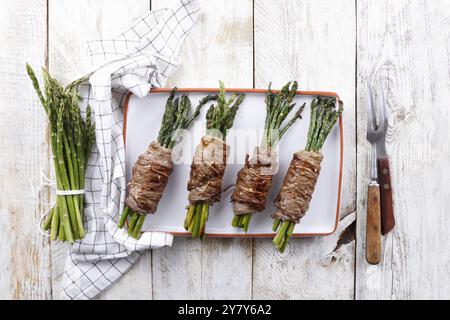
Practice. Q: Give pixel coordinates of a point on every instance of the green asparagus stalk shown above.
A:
(177, 117)
(48, 220)
(323, 118)
(219, 119)
(55, 225)
(278, 107)
(71, 140)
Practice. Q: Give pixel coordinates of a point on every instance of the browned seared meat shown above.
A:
(254, 181)
(298, 186)
(207, 170)
(150, 176)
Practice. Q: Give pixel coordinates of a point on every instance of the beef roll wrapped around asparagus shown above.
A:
(254, 181)
(209, 163)
(150, 176)
(294, 198)
(153, 168)
(255, 178)
(298, 187)
(207, 170)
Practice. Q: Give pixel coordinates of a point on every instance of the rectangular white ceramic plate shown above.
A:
(143, 119)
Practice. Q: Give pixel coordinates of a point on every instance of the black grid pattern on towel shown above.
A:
(141, 58)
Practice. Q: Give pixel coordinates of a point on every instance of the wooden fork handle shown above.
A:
(373, 225)
(387, 208)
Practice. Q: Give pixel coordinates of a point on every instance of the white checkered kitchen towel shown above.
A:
(143, 57)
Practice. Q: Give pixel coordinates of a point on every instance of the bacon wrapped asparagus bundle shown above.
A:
(295, 195)
(255, 179)
(209, 163)
(153, 168)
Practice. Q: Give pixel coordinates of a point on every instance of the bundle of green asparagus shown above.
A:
(209, 163)
(71, 139)
(152, 170)
(255, 179)
(295, 195)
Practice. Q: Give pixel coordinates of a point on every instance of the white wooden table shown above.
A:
(324, 44)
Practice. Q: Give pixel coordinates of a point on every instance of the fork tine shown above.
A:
(370, 108)
(382, 106)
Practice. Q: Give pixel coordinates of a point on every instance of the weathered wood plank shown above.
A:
(24, 252)
(71, 25)
(135, 285)
(406, 45)
(312, 42)
(219, 47)
(177, 271)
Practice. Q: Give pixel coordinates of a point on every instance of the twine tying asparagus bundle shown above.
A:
(255, 179)
(152, 170)
(209, 163)
(298, 187)
(71, 139)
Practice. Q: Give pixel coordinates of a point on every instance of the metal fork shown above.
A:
(384, 170)
(375, 133)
